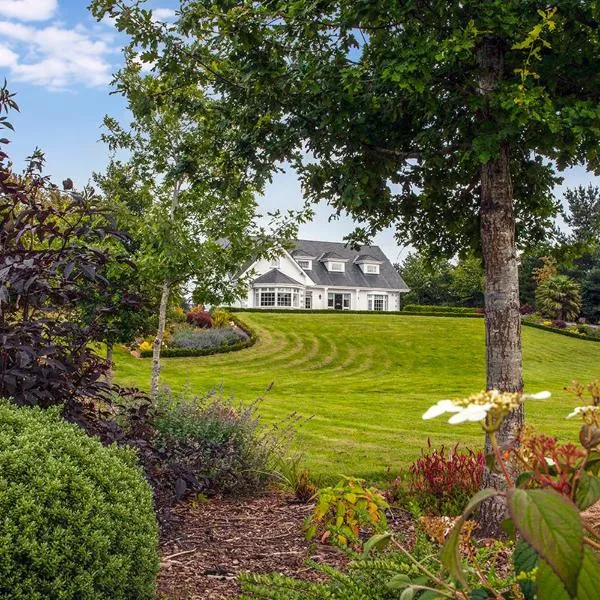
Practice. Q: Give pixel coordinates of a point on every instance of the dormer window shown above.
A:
(371, 269)
(305, 264)
(335, 267)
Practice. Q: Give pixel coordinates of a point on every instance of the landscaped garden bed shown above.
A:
(203, 334)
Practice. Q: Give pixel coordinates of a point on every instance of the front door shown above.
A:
(338, 302)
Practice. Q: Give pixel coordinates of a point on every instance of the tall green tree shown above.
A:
(445, 119)
(192, 212)
(468, 282)
(428, 279)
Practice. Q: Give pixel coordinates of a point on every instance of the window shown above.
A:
(377, 302)
(338, 301)
(305, 264)
(280, 297)
(308, 300)
(264, 297)
(284, 298)
(372, 269)
(336, 267)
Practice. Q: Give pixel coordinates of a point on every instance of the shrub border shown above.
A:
(560, 331)
(183, 352)
(329, 311)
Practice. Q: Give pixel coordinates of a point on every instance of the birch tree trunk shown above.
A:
(162, 311)
(502, 315)
(160, 334)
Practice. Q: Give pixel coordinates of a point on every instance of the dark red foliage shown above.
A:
(526, 309)
(52, 258)
(199, 317)
(445, 474)
(559, 324)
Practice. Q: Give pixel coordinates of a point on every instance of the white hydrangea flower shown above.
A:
(538, 396)
(583, 411)
(476, 407)
(443, 406)
(471, 412)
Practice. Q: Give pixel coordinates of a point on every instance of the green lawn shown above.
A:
(366, 379)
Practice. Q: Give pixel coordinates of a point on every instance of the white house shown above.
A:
(321, 275)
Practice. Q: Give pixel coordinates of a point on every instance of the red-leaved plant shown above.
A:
(447, 474)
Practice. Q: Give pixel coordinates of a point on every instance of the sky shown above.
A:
(60, 61)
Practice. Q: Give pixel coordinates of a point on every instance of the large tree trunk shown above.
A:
(502, 316)
(160, 334)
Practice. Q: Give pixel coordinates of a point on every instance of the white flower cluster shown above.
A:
(476, 407)
(584, 411)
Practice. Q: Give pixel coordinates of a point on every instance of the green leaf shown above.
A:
(479, 594)
(525, 559)
(450, 555)
(588, 491)
(408, 594)
(588, 585)
(551, 524)
(376, 542)
(548, 585)
(398, 582)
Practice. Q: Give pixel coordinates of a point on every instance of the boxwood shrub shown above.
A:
(76, 517)
(470, 313)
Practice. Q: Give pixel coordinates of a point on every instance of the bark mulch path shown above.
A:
(213, 542)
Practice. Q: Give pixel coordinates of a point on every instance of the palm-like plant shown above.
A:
(559, 297)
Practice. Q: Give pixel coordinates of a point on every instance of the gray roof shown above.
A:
(353, 276)
(275, 276)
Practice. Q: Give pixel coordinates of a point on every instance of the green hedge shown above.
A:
(330, 311)
(76, 517)
(183, 352)
(560, 331)
(429, 308)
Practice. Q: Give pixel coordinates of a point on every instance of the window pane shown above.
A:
(330, 300)
(346, 300)
(284, 299)
(267, 298)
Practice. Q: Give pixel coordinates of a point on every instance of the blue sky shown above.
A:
(59, 60)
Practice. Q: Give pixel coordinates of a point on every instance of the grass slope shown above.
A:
(367, 379)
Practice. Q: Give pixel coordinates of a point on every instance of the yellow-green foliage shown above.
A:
(76, 517)
(221, 318)
(343, 511)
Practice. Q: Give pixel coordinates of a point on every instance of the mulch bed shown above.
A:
(214, 541)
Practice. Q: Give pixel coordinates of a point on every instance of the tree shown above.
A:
(444, 119)
(559, 297)
(428, 279)
(590, 291)
(468, 282)
(196, 213)
(583, 214)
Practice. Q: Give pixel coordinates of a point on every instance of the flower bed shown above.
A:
(581, 332)
(187, 341)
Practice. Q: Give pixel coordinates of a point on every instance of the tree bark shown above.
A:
(502, 315)
(160, 334)
(162, 311)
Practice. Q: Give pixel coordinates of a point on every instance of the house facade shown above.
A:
(325, 275)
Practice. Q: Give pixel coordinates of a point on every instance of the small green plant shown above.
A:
(343, 511)
(295, 478)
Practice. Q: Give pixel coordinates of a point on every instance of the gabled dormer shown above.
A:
(367, 264)
(334, 262)
(304, 260)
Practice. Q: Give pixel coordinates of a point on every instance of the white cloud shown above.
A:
(28, 10)
(163, 14)
(55, 57)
